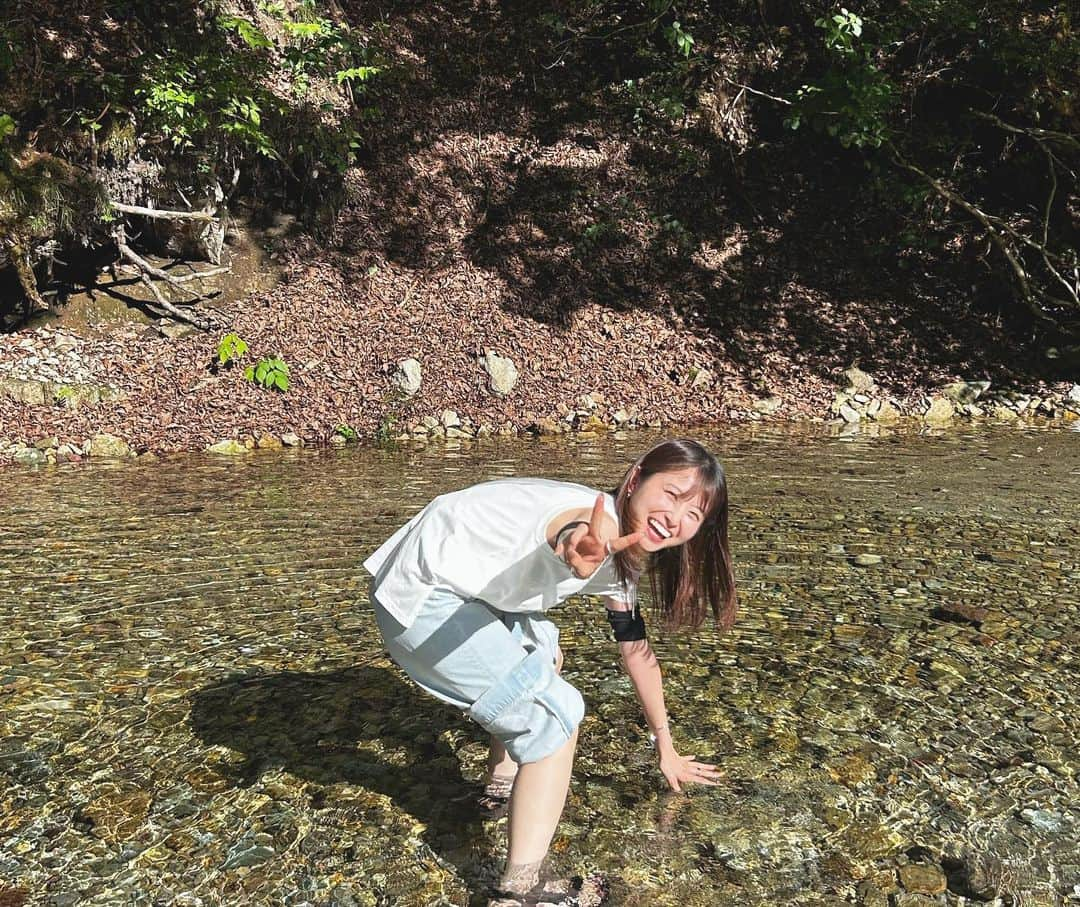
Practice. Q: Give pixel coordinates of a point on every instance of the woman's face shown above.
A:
(667, 507)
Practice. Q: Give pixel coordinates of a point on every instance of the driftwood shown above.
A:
(161, 214)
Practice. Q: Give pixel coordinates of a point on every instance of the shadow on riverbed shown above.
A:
(361, 727)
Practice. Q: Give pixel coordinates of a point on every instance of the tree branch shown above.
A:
(1029, 294)
(160, 214)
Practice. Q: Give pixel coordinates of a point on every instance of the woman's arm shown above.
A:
(641, 663)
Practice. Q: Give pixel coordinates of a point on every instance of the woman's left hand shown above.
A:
(680, 770)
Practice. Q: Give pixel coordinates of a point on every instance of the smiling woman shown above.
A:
(460, 594)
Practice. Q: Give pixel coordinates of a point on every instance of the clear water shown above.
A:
(195, 708)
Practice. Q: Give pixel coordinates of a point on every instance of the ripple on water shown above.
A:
(195, 709)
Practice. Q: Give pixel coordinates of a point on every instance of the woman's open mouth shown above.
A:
(656, 531)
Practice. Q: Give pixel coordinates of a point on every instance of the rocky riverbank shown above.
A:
(147, 390)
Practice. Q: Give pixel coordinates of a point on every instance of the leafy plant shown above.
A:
(852, 99)
(679, 38)
(347, 432)
(272, 374)
(231, 349)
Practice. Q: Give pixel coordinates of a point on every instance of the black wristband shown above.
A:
(569, 527)
(627, 626)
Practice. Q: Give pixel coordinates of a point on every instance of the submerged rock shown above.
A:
(922, 878)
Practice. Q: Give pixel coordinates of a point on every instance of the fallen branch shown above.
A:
(161, 214)
(762, 94)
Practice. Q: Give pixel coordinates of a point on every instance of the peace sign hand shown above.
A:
(587, 547)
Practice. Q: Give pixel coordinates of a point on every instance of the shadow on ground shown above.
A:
(361, 727)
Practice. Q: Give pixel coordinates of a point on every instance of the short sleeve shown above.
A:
(605, 583)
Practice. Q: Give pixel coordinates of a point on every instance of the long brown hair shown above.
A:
(691, 579)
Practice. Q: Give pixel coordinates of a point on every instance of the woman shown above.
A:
(461, 594)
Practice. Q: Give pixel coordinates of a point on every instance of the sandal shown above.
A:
(495, 799)
(577, 892)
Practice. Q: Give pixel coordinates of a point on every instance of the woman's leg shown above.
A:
(536, 805)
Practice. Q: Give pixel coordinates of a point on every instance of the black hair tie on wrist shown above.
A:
(628, 626)
(569, 527)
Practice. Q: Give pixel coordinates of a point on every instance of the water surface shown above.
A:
(195, 708)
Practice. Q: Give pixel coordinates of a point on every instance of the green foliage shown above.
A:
(679, 38)
(269, 373)
(231, 348)
(387, 429)
(851, 101)
(842, 31)
(347, 432)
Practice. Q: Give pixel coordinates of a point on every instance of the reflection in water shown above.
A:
(195, 707)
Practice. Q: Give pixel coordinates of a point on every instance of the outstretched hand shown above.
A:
(585, 548)
(680, 770)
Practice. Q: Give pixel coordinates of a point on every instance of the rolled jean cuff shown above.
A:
(531, 709)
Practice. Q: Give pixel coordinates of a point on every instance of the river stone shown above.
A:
(1003, 412)
(228, 446)
(49, 443)
(922, 878)
(965, 391)
(29, 456)
(449, 419)
(940, 410)
(107, 447)
(703, 378)
(242, 855)
(849, 414)
(858, 381)
(269, 442)
(959, 612)
(1073, 395)
(870, 895)
(767, 406)
(291, 439)
(887, 414)
(31, 392)
(408, 376)
(502, 373)
(117, 815)
(866, 560)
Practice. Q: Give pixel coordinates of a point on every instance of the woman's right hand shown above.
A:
(586, 547)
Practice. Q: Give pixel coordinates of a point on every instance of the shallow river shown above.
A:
(195, 709)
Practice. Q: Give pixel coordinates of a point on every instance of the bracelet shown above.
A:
(654, 731)
(569, 527)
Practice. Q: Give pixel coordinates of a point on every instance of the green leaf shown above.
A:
(248, 32)
(356, 73)
(281, 381)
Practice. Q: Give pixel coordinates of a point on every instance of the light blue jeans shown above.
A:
(498, 667)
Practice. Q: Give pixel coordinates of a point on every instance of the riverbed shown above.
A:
(195, 708)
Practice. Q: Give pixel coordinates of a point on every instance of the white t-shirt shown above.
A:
(488, 542)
